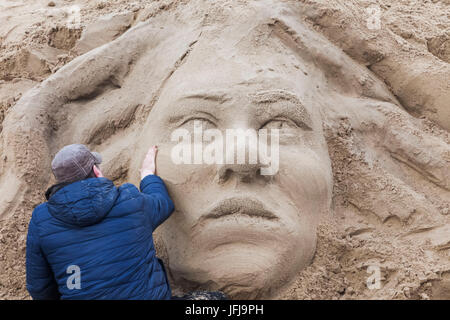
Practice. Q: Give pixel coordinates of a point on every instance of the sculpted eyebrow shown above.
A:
(220, 97)
(207, 96)
(282, 103)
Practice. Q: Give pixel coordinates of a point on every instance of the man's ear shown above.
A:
(97, 172)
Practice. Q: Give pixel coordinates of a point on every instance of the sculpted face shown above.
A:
(234, 225)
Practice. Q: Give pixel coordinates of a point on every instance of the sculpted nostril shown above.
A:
(243, 172)
(224, 174)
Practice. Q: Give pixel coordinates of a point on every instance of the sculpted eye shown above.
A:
(279, 123)
(205, 123)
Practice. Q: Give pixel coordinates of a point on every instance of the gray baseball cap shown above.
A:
(74, 162)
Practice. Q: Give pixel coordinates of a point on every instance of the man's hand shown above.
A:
(149, 164)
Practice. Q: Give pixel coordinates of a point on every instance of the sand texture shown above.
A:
(364, 181)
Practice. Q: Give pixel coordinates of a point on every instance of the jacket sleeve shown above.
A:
(41, 283)
(157, 201)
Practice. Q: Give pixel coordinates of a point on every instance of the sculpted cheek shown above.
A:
(308, 183)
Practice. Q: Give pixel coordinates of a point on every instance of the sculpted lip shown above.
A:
(237, 205)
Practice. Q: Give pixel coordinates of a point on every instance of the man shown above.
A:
(91, 240)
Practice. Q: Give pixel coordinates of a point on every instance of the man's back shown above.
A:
(104, 231)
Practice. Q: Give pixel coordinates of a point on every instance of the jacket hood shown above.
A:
(83, 202)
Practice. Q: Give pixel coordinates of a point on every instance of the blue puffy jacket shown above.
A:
(92, 240)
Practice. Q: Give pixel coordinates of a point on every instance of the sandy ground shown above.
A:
(37, 38)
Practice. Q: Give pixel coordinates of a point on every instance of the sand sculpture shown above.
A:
(352, 159)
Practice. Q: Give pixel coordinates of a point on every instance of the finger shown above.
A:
(150, 153)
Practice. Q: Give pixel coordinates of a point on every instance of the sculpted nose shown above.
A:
(241, 162)
(244, 172)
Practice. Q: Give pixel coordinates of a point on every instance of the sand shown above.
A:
(391, 172)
